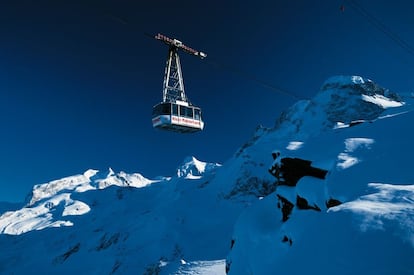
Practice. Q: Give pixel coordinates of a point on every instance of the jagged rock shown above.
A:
(286, 207)
(287, 239)
(106, 241)
(332, 203)
(117, 264)
(293, 169)
(228, 265)
(60, 259)
(302, 203)
(254, 186)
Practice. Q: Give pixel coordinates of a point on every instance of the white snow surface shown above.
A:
(209, 218)
(382, 101)
(50, 202)
(192, 168)
(294, 145)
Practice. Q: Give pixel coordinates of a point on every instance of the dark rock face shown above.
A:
(332, 203)
(286, 239)
(346, 104)
(286, 207)
(293, 169)
(302, 203)
(341, 100)
(289, 173)
(228, 264)
(232, 243)
(60, 259)
(106, 241)
(253, 186)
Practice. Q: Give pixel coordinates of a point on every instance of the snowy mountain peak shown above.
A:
(90, 173)
(110, 172)
(350, 98)
(77, 183)
(122, 179)
(353, 86)
(345, 80)
(91, 179)
(50, 203)
(192, 168)
(341, 99)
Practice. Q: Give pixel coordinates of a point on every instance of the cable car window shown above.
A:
(162, 109)
(182, 110)
(197, 114)
(156, 110)
(189, 112)
(175, 109)
(166, 109)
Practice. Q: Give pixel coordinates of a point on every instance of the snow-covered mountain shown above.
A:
(192, 168)
(209, 219)
(122, 223)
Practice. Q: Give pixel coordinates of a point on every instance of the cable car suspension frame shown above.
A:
(175, 112)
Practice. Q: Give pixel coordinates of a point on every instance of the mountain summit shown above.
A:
(192, 168)
(341, 202)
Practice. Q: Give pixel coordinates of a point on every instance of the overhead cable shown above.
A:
(381, 26)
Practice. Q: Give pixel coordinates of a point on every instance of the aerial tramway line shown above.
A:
(175, 112)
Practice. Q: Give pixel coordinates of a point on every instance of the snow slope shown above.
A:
(120, 223)
(209, 218)
(51, 203)
(369, 164)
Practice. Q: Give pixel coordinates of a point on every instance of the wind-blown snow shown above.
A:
(382, 101)
(202, 267)
(393, 203)
(345, 159)
(209, 218)
(351, 144)
(294, 145)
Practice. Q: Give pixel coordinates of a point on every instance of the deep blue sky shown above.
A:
(77, 85)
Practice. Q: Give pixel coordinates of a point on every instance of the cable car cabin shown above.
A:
(177, 117)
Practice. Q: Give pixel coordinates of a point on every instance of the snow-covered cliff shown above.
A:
(360, 218)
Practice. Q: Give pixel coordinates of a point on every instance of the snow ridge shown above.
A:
(340, 99)
(50, 204)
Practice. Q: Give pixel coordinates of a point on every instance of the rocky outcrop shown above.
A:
(293, 169)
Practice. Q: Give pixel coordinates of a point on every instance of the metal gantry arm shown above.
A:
(179, 45)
